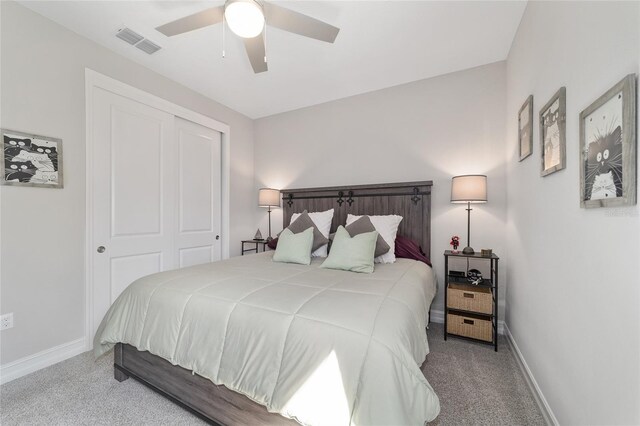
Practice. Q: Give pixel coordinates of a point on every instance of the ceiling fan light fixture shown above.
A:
(244, 17)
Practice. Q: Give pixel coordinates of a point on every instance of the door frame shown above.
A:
(95, 80)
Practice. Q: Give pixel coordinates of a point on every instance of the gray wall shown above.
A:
(43, 230)
(426, 130)
(572, 304)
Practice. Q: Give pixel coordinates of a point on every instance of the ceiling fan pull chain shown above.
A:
(265, 41)
(224, 22)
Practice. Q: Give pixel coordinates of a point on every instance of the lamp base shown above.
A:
(468, 250)
(269, 239)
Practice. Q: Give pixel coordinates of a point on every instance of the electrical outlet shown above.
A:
(6, 321)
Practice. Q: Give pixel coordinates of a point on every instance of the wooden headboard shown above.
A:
(411, 200)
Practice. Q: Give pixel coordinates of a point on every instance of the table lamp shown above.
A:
(268, 197)
(469, 189)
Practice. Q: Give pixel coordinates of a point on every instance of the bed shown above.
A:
(240, 340)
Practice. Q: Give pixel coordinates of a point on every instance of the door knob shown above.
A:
(101, 249)
(217, 237)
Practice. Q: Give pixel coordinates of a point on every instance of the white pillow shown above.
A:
(323, 221)
(387, 226)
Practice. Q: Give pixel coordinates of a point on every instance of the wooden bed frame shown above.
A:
(220, 405)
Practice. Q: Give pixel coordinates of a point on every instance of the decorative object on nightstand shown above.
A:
(455, 242)
(269, 197)
(258, 236)
(471, 300)
(474, 277)
(469, 189)
(486, 252)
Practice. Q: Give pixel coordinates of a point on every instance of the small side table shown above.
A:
(256, 245)
(471, 311)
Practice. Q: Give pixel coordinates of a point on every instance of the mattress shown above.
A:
(320, 346)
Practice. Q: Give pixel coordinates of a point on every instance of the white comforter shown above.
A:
(323, 347)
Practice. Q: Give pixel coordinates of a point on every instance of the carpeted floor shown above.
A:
(476, 386)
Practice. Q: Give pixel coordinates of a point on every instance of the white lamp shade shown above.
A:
(469, 189)
(244, 17)
(268, 197)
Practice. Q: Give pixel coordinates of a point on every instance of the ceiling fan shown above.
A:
(247, 19)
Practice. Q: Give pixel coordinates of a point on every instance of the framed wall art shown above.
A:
(31, 160)
(525, 128)
(608, 148)
(553, 144)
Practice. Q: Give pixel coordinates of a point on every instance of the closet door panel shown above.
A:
(199, 179)
(195, 255)
(196, 181)
(132, 195)
(136, 173)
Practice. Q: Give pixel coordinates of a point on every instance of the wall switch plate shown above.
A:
(6, 321)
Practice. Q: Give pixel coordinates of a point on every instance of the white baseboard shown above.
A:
(31, 363)
(545, 408)
(438, 318)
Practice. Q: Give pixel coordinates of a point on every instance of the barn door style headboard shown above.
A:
(411, 200)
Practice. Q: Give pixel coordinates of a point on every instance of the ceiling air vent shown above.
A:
(147, 46)
(129, 36)
(135, 39)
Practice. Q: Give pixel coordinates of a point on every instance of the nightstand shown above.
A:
(471, 311)
(256, 245)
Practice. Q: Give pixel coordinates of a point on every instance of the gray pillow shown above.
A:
(304, 222)
(363, 225)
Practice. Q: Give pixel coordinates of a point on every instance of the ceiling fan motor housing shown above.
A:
(244, 17)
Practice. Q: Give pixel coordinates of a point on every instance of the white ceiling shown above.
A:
(381, 44)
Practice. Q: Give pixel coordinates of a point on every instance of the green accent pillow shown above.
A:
(294, 248)
(352, 253)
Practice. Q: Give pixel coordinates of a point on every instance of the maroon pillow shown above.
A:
(273, 243)
(409, 249)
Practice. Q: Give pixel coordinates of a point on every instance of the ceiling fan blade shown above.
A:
(297, 23)
(193, 22)
(255, 51)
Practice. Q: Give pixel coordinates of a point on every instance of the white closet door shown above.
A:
(133, 192)
(198, 161)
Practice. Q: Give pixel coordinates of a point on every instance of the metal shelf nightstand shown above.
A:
(256, 244)
(471, 311)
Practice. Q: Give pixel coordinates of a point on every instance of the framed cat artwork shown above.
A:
(525, 128)
(608, 148)
(553, 131)
(31, 160)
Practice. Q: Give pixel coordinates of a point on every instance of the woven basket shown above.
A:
(470, 326)
(475, 299)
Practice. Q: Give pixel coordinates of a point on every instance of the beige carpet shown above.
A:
(476, 386)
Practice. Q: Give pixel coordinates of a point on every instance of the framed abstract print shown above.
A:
(553, 133)
(31, 160)
(525, 128)
(608, 148)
